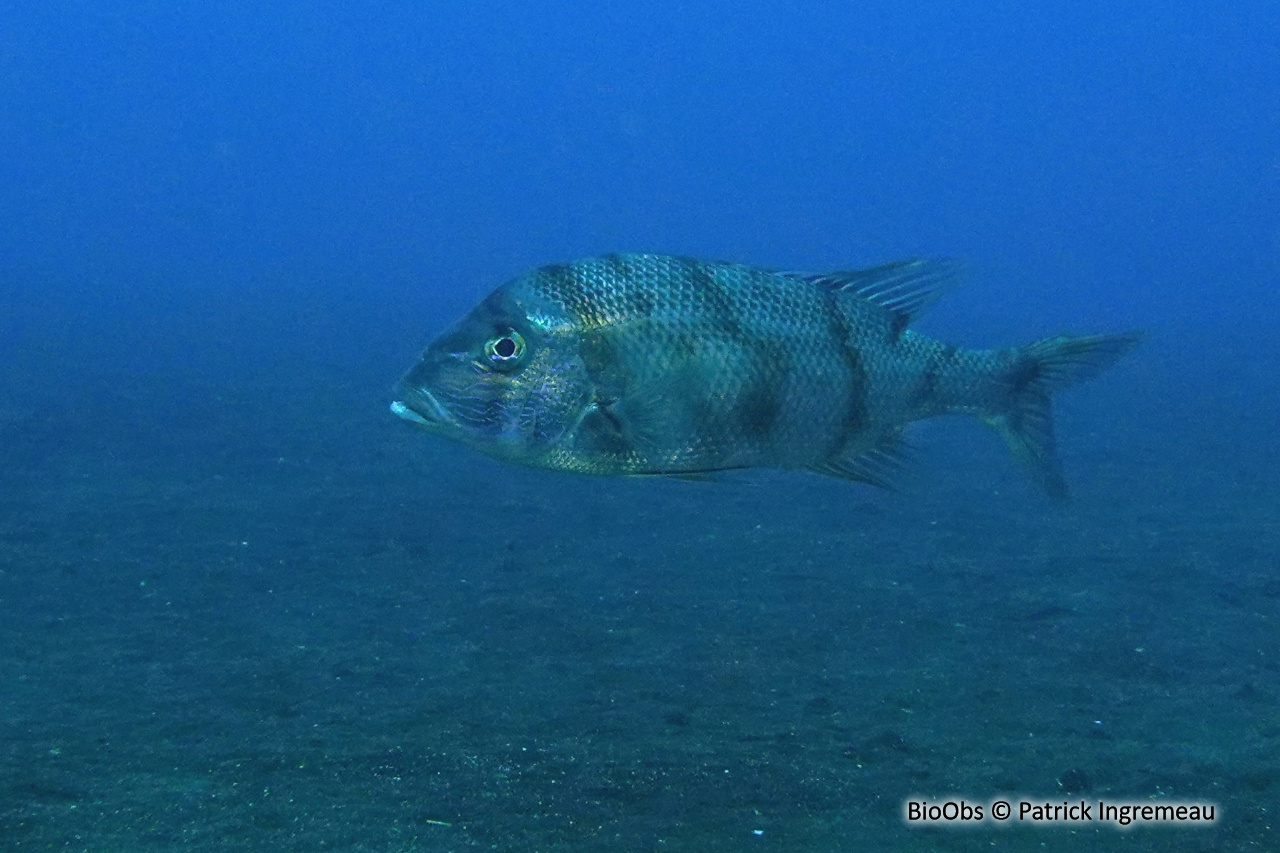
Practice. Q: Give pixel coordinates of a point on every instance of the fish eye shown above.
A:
(506, 350)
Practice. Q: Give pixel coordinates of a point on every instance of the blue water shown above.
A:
(242, 607)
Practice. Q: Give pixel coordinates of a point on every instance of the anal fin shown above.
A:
(883, 465)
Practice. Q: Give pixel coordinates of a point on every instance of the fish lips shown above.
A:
(419, 406)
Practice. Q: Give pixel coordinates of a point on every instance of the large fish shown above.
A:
(651, 364)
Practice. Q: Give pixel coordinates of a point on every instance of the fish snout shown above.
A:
(418, 405)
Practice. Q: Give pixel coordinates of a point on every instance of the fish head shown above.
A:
(506, 379)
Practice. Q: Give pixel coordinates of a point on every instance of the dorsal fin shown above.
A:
(906, 288)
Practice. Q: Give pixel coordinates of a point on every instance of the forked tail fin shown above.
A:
(1039, 370)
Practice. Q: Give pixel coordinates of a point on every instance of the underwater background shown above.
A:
(243, 607)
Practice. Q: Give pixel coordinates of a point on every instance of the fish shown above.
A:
(649, 364)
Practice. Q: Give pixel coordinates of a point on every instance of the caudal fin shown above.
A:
(1039, 370)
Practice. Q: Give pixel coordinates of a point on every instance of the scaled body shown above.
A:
(652, 364)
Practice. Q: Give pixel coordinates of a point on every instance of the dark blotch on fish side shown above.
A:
(898, 325)
(634, 301)
(561, 283)
(758, 411)
(856, 416)
(618, 266)
(718, 307)
(1023, 373)
(927, 390)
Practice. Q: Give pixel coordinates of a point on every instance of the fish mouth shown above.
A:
(420, 407)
